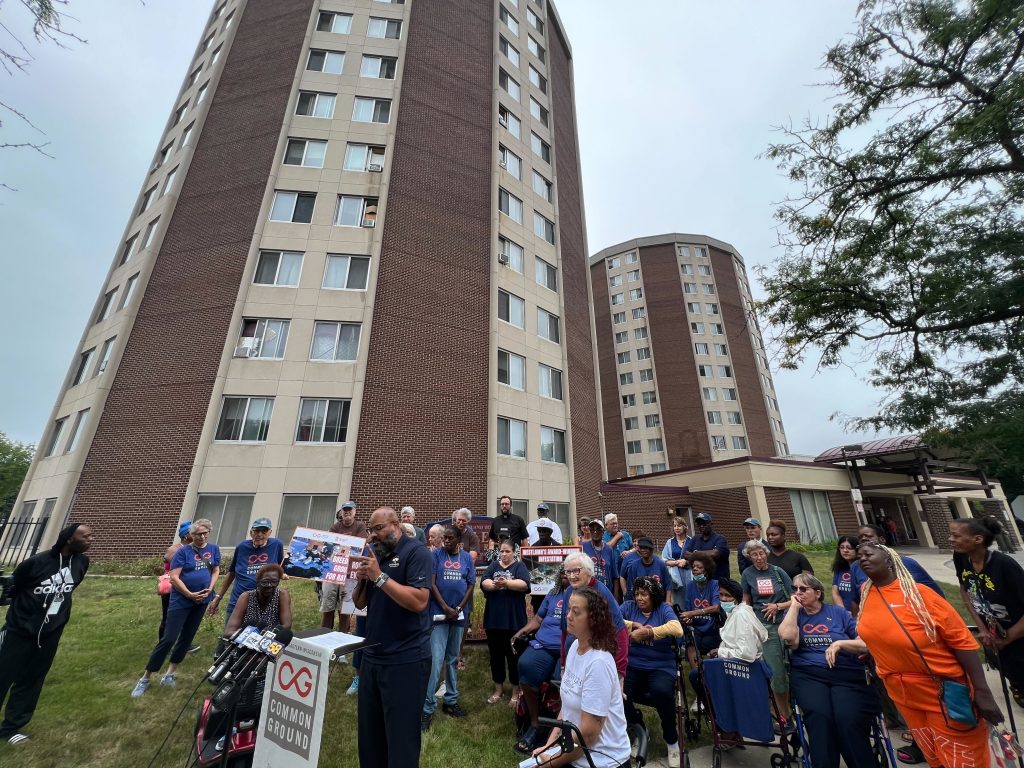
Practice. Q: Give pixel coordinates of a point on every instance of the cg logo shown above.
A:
(452, 565)
(847, 576)
(815, 629)
(300, 679)
(700, 603)
(262, 558)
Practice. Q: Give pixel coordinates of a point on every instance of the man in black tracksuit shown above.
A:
(41, 592)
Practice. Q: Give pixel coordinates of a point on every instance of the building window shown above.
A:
(550, 382)
(511, 437)
(633, 447)
(613, 262)
(508, 50)
(201, 93)
(56, 431)
(107, 305)
(329, 62)
(534, 20)
(547, 326)
(542, 186)
(659, 467)
(390, 2)
(335, 341)
(278, 268)
(513, 253)
(312, 104)
(305, 152)
(635, 469)
(508, 20)
(728, 393)
(535, 48)
(262, 338)
(510, 161)
(338, 23)
(735, 417)
(640, 313)
(725, 371)
(689, 287)
(701, 348)
(622, 358)
(129, 248)
(179, 113)
(711, 309)
(687, 268)
(552, 445)
(650, 397)
(629, 401)
(169, 181)
(709, 289)
(540, 147)
(356, 211)
(640, 333)
(509, 85)
(631, 422)
(718, 442)
(693, 307)
(539, 112)
(84, 361)
(615, 281)
(543, 228)
(322, 421)
(618, 298)
(814, 520)
(704, 269)
(302, 512)
(186, 135)
(390, 29)
(646, 374)
(105, 353)
(700, 251)
(245, 419)
(546, 274)
(129, 290)
(147, 199)
(508, 121)
(652, 420)
(717, 329)
(364, 157)
(706, 371)
(633, 276)
(379, 67)
(632, 257)
(619, 318)
(76, 430)
(697, 328)
(625, 379)
(643, 353)
(296, 207)
(721, 349)
(194, 76)
(714, 417)
(511, 369)
(538, 80)
(655, 444)
(621, 337)
(347, 273)
(710, 394)
(510, 205)
(227, 22)
(230, 515)
(511, 309)
(371, 110)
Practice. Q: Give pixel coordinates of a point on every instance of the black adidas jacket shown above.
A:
(42, 592)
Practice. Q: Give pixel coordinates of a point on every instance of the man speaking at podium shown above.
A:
(394, 587)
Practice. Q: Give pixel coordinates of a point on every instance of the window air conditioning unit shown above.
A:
(369, 223)
(503, 164)
(248, 347)
(503, 258)
(375, 168)
(503, 122)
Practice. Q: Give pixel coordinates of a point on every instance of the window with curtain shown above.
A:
(814, 520)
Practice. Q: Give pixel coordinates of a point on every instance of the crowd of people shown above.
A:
(881, 639)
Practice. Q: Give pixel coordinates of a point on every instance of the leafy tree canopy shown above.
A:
(904, 248)
(14, 462)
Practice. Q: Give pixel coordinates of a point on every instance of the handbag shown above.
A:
(163, 584)
(954, 696)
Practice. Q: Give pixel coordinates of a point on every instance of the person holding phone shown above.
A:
(505, 585)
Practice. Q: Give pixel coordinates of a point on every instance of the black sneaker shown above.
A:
(454, 710)
(425, 721)
(194, 648)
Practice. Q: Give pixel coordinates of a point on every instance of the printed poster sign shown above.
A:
(543, 563)
(326, 557)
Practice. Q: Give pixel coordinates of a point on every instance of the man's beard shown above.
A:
(384, 547)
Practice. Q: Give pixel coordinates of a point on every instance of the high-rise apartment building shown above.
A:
(682, 365)
(357, 268)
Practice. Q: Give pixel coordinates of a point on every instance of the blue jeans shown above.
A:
(445, 641)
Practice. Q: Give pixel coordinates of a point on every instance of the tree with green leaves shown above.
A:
(904, 247)
(15, 459)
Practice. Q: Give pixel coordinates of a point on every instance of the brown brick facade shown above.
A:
(645, 512)
(428, 446)
(611, 404)
(728, 508)
(844, 513)
(135, 476)
(938, 516)
(586, 443)
(682, 410)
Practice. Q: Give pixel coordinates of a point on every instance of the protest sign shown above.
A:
(543, 564)
(326, 557)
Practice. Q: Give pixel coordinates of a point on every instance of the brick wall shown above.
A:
(586, 444)
(645, 512)
(427, 444)
(843, 513)
(728, 509)
(134, 479)
(611, 403)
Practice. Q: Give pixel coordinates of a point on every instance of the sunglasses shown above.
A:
(805, 589)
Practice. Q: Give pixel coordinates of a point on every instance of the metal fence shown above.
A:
(20, 539)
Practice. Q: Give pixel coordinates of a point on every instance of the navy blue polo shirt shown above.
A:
(717, 542)
(401, 636)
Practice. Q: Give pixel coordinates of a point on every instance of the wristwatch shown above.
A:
(379, 581)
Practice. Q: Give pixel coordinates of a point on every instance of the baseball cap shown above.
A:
(544, 523)
(349, 505)
(542, 507)
(644, 543)
(703, 517)
(752, 521)
(183, 528)
(598, 523)
(261, 522)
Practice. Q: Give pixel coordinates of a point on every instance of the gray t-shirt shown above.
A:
(769, 586)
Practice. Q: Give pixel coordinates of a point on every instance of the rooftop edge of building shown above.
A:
(670, 237)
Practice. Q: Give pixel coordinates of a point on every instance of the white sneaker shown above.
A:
(673, 757)
(441, 689)
(695, 707)
(140, 687)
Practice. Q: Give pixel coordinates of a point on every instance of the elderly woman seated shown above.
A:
(652, 669)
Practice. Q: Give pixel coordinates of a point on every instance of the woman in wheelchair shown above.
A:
(651, 672)
(702, 606)
(828, 681)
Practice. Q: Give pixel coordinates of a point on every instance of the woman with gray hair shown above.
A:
(579, 569)
(194, 572)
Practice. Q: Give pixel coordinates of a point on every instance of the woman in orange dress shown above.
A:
(904, 627)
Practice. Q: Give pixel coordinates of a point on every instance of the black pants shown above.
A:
(165, 601)
(390, 701)
(23, 668)
(838, 707)
(181, 628)
(499, 646)
(656, 688)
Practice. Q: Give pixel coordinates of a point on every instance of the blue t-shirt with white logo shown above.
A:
(657, 654)
(819, 631)
(549, 636)
(196, 572)
(843, 581)
(606, 563)
(698, 596)
(454, 575)
(247, 562)
(635, 567)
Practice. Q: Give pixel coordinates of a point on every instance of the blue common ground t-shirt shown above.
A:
(549, 636)
(606, 563)
(505, 608)
(246, 563)
(657, 654)
(454, 575)
(819, 631)
(196, 571)
(698, 596)
(843, 581)
(402, 636)
(657, 570)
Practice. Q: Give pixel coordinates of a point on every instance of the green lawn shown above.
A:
(86, 718)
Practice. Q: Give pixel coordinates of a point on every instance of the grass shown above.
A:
(86, 718)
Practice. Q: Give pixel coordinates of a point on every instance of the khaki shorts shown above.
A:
(331, 597)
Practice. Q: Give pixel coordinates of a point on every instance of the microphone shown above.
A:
(251, 663)
(229, 655)
(248, 644)
(252, 644)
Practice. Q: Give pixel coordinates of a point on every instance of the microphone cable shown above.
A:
(175, 724)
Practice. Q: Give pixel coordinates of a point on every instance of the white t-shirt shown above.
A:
(590, 683)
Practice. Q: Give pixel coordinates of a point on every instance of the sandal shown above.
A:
(910, 754)
(527, 743)
(461, 663)
(514, 700)
(494, 698)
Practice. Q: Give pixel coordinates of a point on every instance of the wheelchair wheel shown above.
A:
(716, 757)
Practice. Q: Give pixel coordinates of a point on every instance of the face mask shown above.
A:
(727, 607)
(700, 578)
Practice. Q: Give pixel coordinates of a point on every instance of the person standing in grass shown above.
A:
(41, 606)
(505, 585)
(194, 573)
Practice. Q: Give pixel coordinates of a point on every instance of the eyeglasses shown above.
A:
(573, 571)
(200, 533)
(379, 528)
(805, 589)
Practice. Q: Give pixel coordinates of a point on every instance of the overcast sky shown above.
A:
(676, 99)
